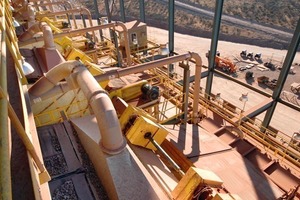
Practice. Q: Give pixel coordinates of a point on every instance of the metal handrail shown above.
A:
(5, 172)
(289, 155)
(285, 154)
(52, 114)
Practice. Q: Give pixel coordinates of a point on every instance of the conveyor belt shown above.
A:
(69, 167)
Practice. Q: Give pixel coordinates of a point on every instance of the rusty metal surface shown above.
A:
(207, 151)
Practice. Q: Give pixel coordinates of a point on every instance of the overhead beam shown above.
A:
(283, 74)
(213, 45)
(122, 11)
(171, 31)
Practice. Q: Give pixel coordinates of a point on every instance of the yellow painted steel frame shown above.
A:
(9, 40)
(192, 179)
(129, 91)
(142, 124)
(5, 150)
(287, 155)
(44, 176)
(267, 141)
(169, 102)
(72, 104)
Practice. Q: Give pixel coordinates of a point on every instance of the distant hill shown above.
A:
(282, 15)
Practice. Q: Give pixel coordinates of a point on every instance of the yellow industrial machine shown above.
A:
(138, 125)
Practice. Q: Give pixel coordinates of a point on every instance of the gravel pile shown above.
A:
(65, 191)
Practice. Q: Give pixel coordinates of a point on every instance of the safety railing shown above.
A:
(71, 104)
(171, 103)
(7, 27)
(278, 145)
(9, 41)
(5, 179)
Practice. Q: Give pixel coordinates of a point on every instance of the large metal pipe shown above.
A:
(30, 40)
(31, 15)
(48, 38)
(112, 140)
(40, 92)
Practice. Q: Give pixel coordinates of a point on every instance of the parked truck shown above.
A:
(295, 87)
(265, 80)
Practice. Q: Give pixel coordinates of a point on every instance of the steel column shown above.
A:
(113, 36)
(142, 11)
(171, 32)
(83, 20)
(186, 85)
(283, 74)
(98, 18)
(108, 14)
(214, 44)
(122, 11)
(117, 48)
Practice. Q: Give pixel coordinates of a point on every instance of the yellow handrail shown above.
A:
(289, 155)
(24, 137)
(5, 180)
(5, 172)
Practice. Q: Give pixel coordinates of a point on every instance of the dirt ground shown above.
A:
(185, 43)
(231, 91)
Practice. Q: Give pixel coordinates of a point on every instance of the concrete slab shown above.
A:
(122, 175)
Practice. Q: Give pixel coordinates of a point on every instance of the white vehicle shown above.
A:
(249, 66)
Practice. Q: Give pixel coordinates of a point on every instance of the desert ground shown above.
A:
(231, 91)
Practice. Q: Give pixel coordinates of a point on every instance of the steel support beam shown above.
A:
(186, 85)
(83, 20)
(98, 18)
(171, 32)
(113, 35)
(117, 48)
(258, 109)
(283, 74)
(142, 11)
(213, 45)
(107, 9)
(122, 11)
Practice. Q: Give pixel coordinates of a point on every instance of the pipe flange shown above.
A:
(97, 92)
(113, 151)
